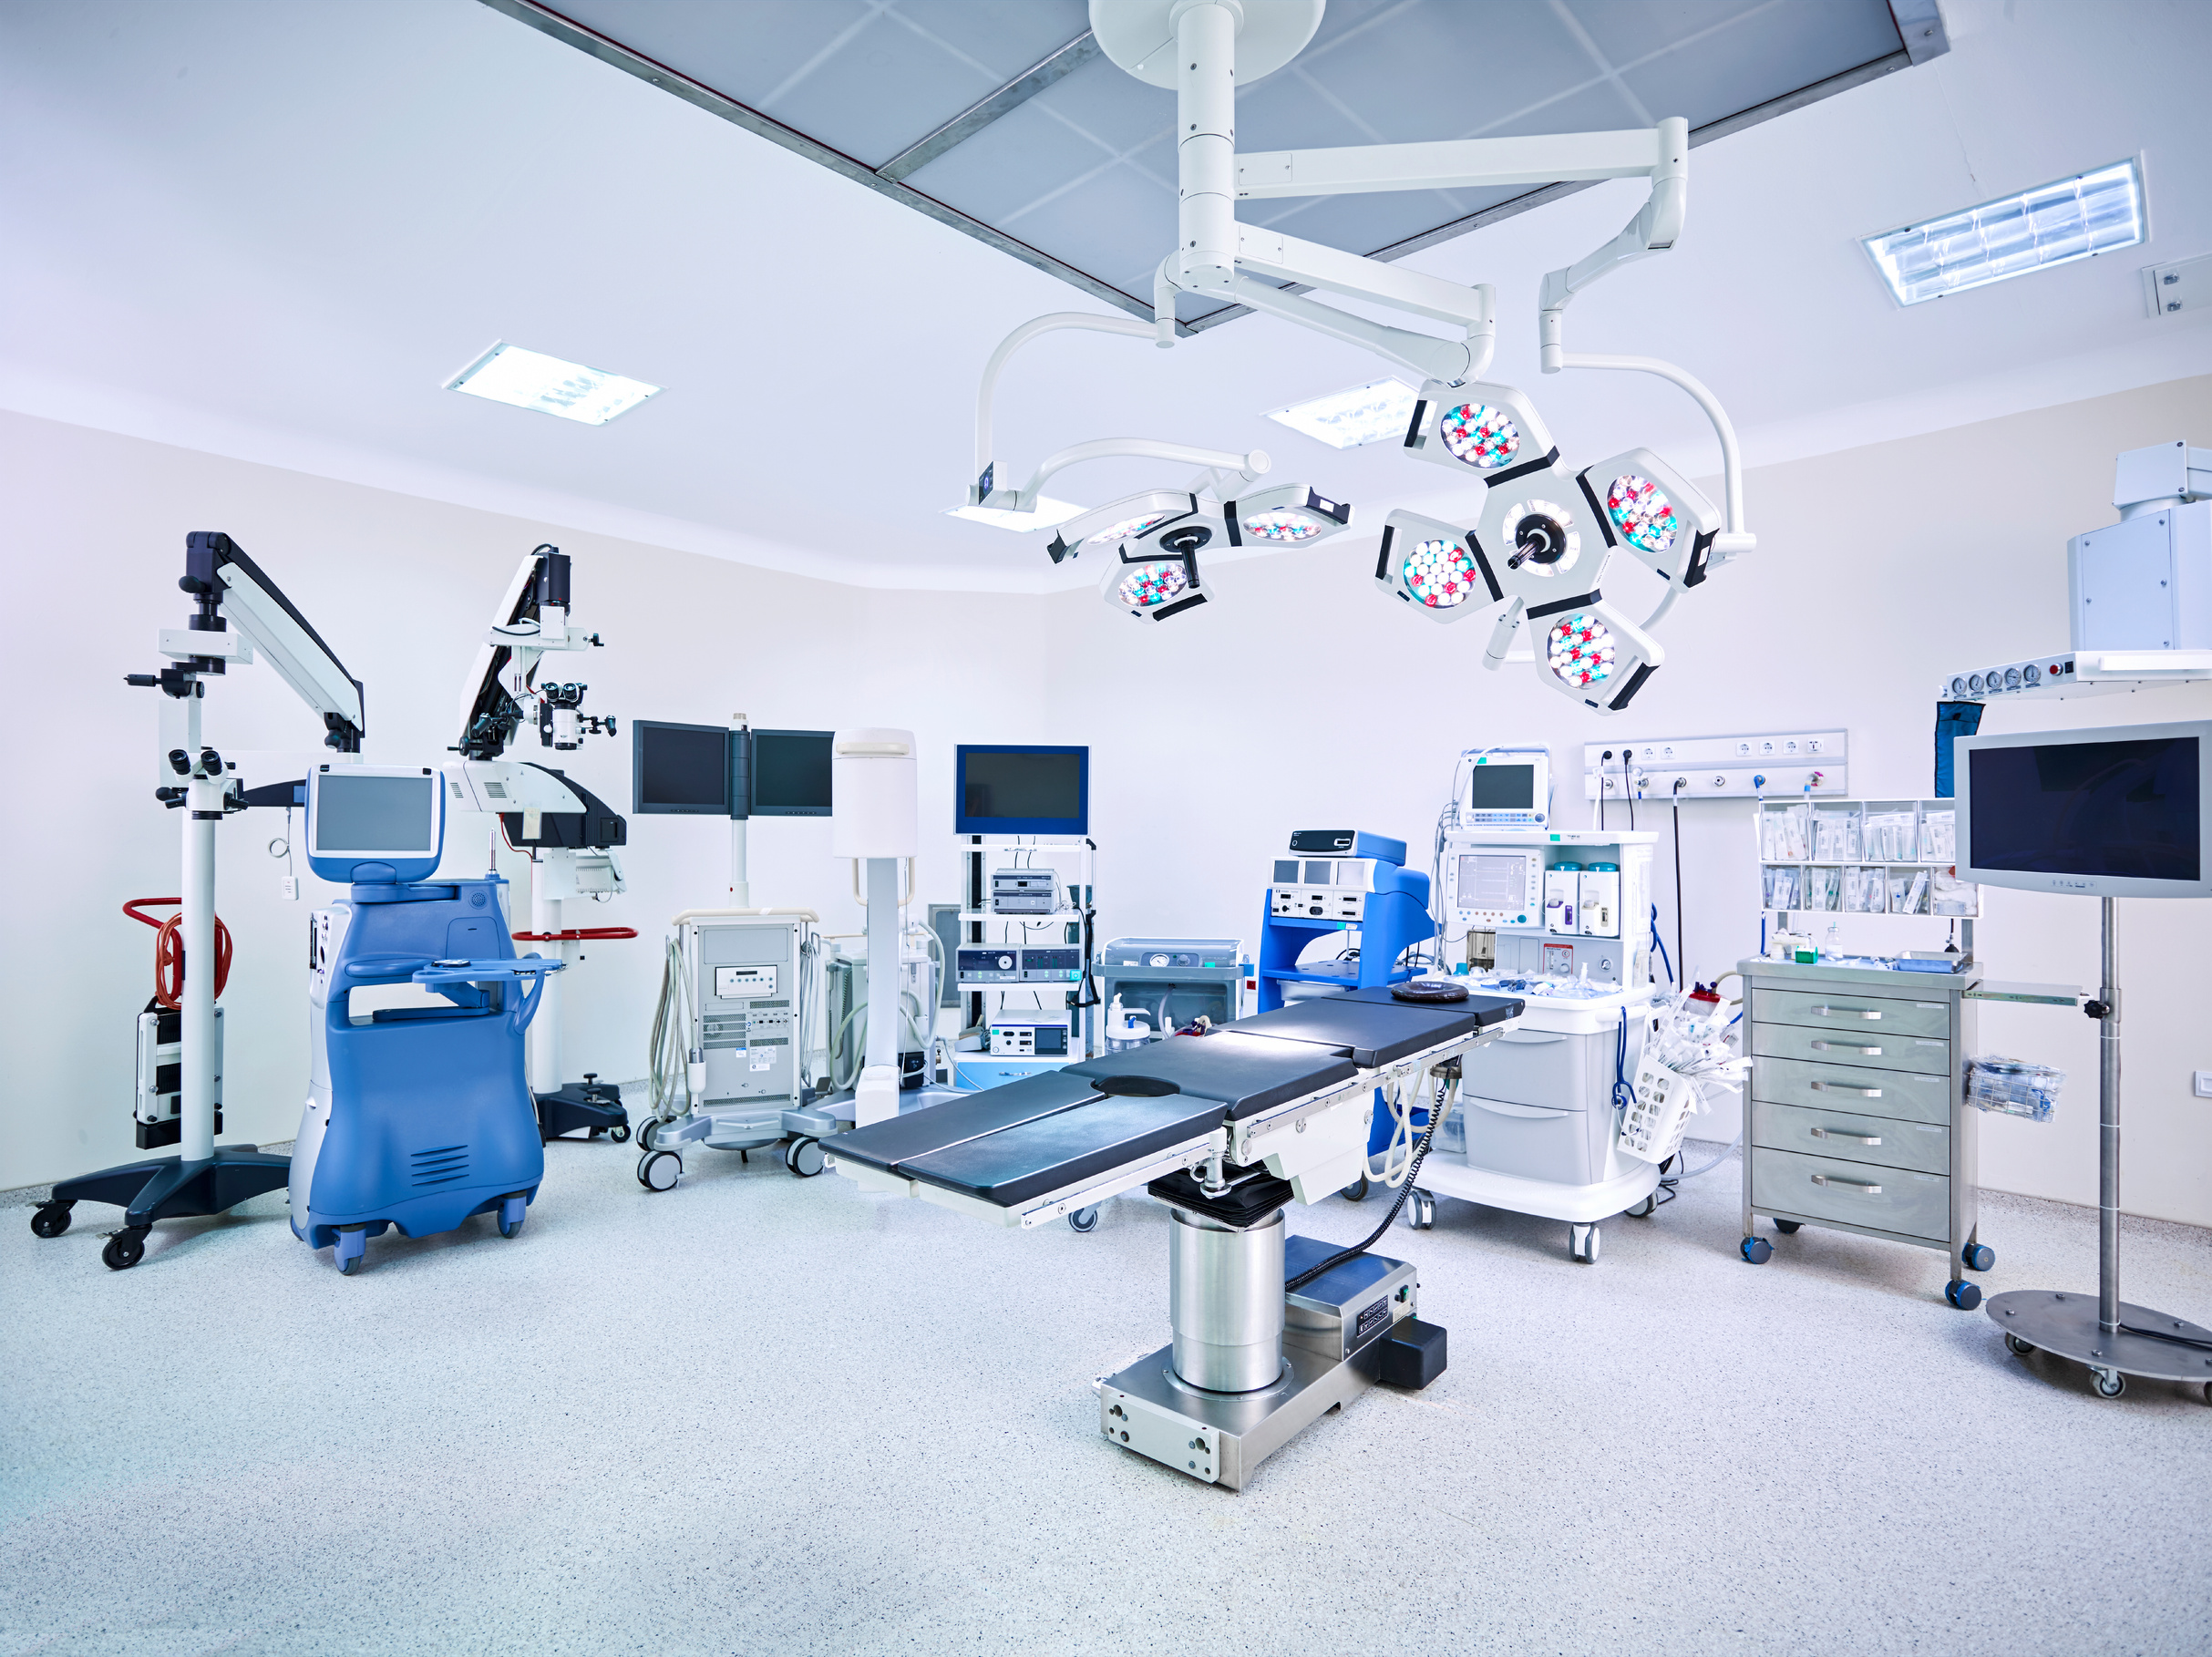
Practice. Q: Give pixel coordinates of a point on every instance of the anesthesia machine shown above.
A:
(417, 1116)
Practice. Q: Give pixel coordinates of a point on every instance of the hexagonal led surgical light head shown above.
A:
(1491, 432)
(1640, 502)
(1154, 572)
(1434, 567)
(1586, 650)
(1289, 515)
(1120, 520)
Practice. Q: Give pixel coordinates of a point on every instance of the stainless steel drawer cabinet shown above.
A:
(1858, 1118)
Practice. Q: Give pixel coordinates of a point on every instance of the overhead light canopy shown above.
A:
(1289, 515)
(531, 379)
(2054, 223)
(1050, 514)
(1434, 567)
(1153, 573)
(1589, 652)
(1374, 413)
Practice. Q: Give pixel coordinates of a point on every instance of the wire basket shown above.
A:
(2013, 1086)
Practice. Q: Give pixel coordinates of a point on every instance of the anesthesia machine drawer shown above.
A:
(1856, 1048)
(1878, 1141)
(1856, 1018)
(1868, 1092)
(1826, 1187)
(1559, 1072)
(1530, 1142)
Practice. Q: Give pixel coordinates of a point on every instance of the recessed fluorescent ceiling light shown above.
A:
(1050, 513)
(1347, 419)
(531, 379)
(2092, 212)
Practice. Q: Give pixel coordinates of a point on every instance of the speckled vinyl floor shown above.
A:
(761, 1415)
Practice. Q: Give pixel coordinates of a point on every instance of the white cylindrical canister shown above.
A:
(872, 783)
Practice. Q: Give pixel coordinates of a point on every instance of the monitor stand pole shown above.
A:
(2114, 1339)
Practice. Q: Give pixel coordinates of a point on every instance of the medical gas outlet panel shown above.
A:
(1765, 766)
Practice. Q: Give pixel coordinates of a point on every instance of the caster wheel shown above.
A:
(2021, 1349)
(1757, 1251)
(1789, 1228)
(1582, 1244)
(619, 1133)
(594, 1133)
(349, 1265)
(1083, 1220)
(512, 1213)
(2208, 1392)
(125, 1248)
(805, 1158)
(645, 1132)
(351, 1246)
(1646, 1209)
(50, 1219)
(2107, 1383)
(1356, 1191)
(658, 1170)
(1963, 1294)
(1420, 1209)
(1977, 1257)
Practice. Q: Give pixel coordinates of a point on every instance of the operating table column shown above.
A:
(1225, 1302)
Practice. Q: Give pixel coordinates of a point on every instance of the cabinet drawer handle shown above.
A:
(1847, 1012)
(1853, 1046)
(1864, 1093)
(1860, 1186)
(1830, 1133)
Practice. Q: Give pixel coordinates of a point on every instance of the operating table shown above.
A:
(1226, 1129)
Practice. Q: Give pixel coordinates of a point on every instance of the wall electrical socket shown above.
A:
(1718, 767)
(2204, 1084)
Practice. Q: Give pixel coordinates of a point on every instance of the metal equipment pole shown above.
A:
(883, 963)
(2108, 1137)
(197, 1141)
(544, 1050)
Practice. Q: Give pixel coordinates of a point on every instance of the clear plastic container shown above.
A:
(1908, 891)
(1823, 889)
(2013, 1086)
(1940, 837)
(1836, 834)
(1786, 833)
(1783, 888)
(1865, 891)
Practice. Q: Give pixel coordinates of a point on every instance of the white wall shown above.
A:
(402, 589)
(1299, 698)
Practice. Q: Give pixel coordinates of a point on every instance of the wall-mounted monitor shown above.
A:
(679, 769)
(2114, 812)
(790, 772)
(1021, 789)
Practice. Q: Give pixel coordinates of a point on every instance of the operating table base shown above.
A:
(1219, 1438)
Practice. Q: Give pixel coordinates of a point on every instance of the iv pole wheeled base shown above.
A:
(162, 1188)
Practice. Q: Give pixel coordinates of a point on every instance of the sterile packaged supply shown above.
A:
(1824, 888)
(1889, 838)
(1940, 837)
(1689, 1043)
(1908, 891)
(2013, 1086)
(1782, 886)
(1835, 838)
(1784, 836)
(1952, 896)
(1864, 891)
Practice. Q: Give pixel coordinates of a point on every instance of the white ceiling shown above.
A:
(271, 229)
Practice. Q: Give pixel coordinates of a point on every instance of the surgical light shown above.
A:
(1593, 653)
(2052, 225)
(1358, 414)
(1491, 431)
(531, 379)
(1578, 650)
(1130, 518)
(1640, 502)
(1535, 541)
(1049, 514)
(1153, 572)
(1434, 567)
(1289, 515)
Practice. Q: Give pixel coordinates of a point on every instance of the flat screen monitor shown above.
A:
(679, 769)
(1504, 787)
(2116, 812)
(790, 772)
(392, 817)
(1021, 789)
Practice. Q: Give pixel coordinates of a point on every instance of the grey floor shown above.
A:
(762, 1415)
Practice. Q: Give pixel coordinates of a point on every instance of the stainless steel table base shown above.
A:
(2066, 1325)
(1221, 1437)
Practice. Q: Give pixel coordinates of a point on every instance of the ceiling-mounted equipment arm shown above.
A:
(1454, 164)
(979, 492)
(229, 586)
(1249, 467)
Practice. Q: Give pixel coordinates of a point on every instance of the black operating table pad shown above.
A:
(1009, 1144)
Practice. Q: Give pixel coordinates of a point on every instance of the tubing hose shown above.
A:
(1438, 1112)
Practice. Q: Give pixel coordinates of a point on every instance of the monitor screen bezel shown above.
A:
(2092, 886)
(1076, 827)
(730, 758)
(753, 775)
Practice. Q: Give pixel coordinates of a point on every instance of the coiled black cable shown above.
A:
(1446, 1096)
